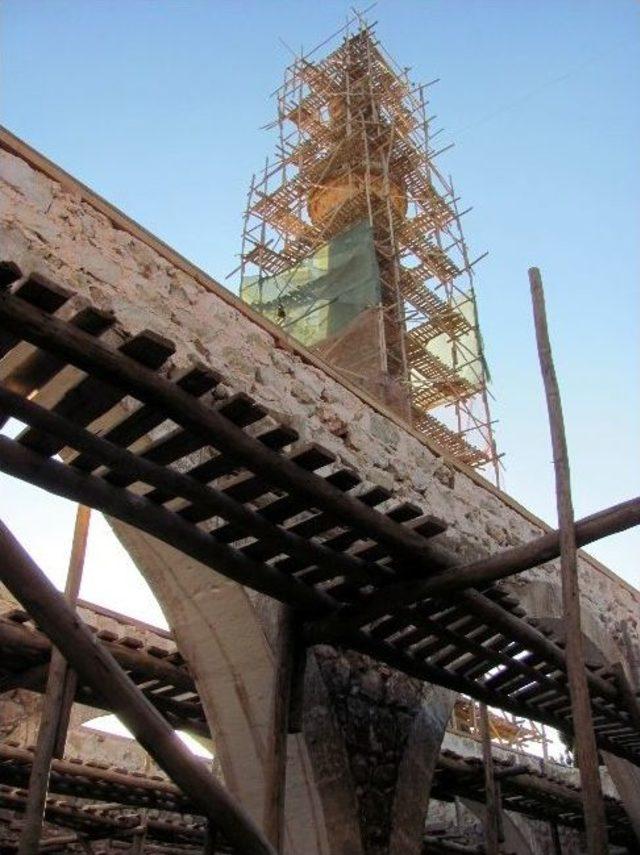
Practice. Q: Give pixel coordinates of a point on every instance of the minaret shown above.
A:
(353, 244)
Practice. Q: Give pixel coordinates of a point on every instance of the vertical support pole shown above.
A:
(545, 744)
(276, 765)
(491, 822)
(54, 713)
(555, 838)
(586, 750)
(458, 807)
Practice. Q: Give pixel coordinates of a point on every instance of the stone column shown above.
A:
(374, 746)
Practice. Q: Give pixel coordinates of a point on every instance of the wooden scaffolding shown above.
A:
(355, 145)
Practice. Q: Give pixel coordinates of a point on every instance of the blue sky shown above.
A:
(158, 105)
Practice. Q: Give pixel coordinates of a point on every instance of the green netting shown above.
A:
(321, 296)
(466, 357)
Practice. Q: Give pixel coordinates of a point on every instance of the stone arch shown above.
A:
(222, 632)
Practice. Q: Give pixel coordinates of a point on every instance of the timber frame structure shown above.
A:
(358, 568)
(172, 820)
(356, 144)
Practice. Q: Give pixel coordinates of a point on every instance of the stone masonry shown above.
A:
(51, 224)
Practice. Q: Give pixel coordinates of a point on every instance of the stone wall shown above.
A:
(52, 229)
(53, 225)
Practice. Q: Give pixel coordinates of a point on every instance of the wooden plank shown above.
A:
(54, 715)
(91, 398)
(586, 749)
(196, 381)
(29, 585)
(222, 464)
(239, 408)
(37, 290)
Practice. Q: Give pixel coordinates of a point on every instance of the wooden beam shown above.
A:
(604, 523)
(532, 639)
(115, 368)
(83, 780)
(54, 715)
(586, 749)
(509, 771)
(33, 678)
(63, 480)
(22, 640)
(97, 667)
(492, 807)
(217, 502)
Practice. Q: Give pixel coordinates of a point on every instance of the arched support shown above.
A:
(221, 634)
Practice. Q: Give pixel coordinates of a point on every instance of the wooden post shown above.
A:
(276, 765)
(56, 703)
(586, 750)
(545, 744)
(555, 838)
(97, 667)
(491, 821)
(299, 655)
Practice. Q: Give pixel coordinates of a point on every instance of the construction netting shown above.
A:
(465, 356)
(322, 295)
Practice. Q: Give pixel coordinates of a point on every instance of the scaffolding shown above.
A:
(355, 147)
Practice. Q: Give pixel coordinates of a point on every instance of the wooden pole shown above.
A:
(276, 765)
(586, 750)
(555, 838)
(491, 821)
(98, 669)
(56, 703)
(76, 568)
(545, 744)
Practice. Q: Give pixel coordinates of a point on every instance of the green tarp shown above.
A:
(321, 296)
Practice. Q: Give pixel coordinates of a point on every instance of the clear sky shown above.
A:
(158, 104)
